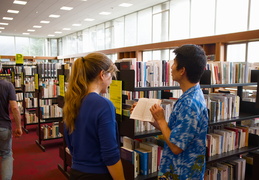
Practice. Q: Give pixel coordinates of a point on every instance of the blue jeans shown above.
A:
(6, 153)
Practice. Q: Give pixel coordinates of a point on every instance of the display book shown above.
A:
(48, 113)
(127, 126)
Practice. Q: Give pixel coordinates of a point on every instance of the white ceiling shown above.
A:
(37, 10)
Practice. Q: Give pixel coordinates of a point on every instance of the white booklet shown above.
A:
(142, 109)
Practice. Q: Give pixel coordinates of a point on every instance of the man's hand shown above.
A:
(158, 113)
(18, 132)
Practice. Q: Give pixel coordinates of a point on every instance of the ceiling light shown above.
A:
(54, 16)
(26, 33)
(13, 11)
(58, 32)
(20, 2)
(51, 35)
(0, 31)
(2, 28)
(31, 30)
(125, 5)
(83, 0)
(44, 22)
(66, 8)
(66, 29)
(37, 26)
(105, 13)
(89, 19)
(7, 18)
(3, 23)
(76, 24)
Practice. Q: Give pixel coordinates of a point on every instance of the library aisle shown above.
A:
(31, 163)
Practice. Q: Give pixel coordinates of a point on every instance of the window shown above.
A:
(145, 29)
(131, 29)
(253, 52)
(37, 47)
(179, 19)
(231, 16)
(236, 52)
(254, 14)
(100, 37)
(118, 38)
(7, 45)
(202, 18)
(160, 22)
(22, 45)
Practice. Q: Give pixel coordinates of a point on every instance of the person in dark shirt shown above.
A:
(91, 130)
(8, 101)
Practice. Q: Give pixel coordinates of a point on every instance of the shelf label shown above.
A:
(36, 80)
(62, 85)
(116, 95)
(19, 59)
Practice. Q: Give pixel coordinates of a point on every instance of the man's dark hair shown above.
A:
(193, 58)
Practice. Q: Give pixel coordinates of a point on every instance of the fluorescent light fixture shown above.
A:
(7, 18)
(89, 19)
(0, 31)
(51, 35)
(84, 0)
(37, 26)
(31, 30)
(58, 32)
(26, 33)
(105, 13)
(20, 2)
(54, 16)
(2, 28)
(44, 22)
(66, 8)
(125, 5)
(76, 24)
(3, 23)
(13, 11)
(66, 29)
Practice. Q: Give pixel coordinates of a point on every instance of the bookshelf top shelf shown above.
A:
(202, 86)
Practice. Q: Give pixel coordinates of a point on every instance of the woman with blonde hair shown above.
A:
(91, 130)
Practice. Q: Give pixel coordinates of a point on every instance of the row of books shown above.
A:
(157, 73)
(48, 69)
(19, 96)
(31, 117)
(29, 86)
(222, 106)
(50, 131)
(50, 88)
(50, 111)
(231, 72)
(30, 70)
(231, 169)
(31, 102)
(227, 139)
(17, 82)
(145, 154)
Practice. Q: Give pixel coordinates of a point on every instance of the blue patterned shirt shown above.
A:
(188, 123)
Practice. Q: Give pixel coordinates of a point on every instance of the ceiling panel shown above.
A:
(37, 10)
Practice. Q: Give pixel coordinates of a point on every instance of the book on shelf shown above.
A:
(142, 109)
(143, 160)
(131, 156)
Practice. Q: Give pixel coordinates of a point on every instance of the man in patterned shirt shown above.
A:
(185, 133)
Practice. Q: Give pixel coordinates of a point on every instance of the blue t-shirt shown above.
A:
(188, 124)
(7, 93)
(94, 144)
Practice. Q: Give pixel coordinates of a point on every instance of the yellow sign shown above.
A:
(62, 85)
(36, 80)
(19, 59)
(116, 95)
